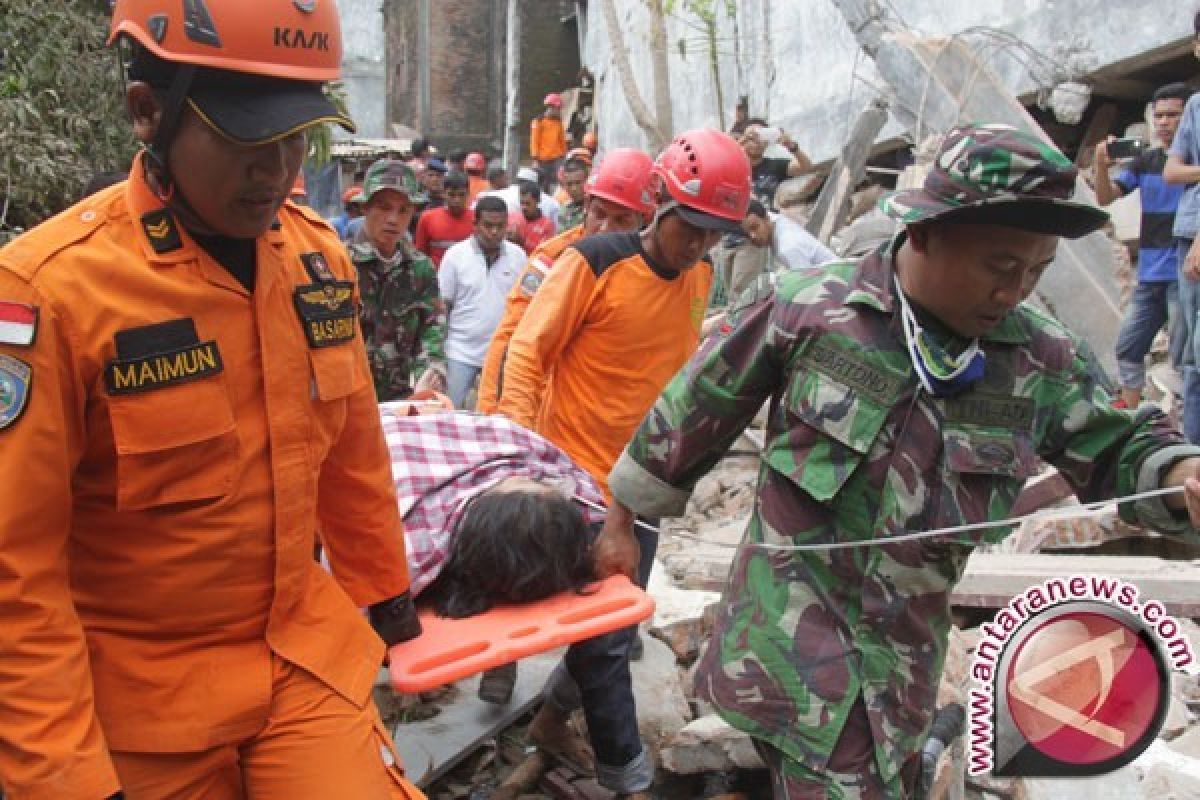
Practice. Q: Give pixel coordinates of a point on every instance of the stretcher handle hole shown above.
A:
(597, 610)
(521, 633)
(448, 657)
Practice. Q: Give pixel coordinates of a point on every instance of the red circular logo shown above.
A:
(1084, 688)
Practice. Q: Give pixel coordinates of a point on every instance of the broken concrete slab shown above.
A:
(432, 747)
(939, 82)
(992, 579)
(1167, 774)
(710, 744)
(1123, 784)
(681, 618)
(1178, 720)
(662, 707)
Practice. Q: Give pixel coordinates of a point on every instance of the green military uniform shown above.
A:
(856, 450)
(402, 316)
(570, 215)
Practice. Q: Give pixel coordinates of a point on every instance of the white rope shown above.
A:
(1068, 512)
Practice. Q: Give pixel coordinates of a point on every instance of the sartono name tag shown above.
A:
(843, 364)
(327, 312)
(154, 371)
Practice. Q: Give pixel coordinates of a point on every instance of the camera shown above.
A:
(1127, 148)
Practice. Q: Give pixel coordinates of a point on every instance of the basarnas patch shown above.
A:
(15, 379)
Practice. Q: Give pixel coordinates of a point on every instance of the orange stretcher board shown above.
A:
(451, 649)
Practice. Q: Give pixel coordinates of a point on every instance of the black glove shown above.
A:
(395, 620)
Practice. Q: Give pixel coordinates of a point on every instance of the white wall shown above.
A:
(363, 67)
(797, 59)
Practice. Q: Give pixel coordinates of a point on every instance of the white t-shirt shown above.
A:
(794, 247)
(475, 295)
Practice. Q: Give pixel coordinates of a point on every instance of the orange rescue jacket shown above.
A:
(537, 268)
(597, 344)
(547, 139)
(180, 443)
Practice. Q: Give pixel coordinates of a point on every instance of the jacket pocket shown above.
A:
(338, 372)
(827, 430)
(177, 444)
(984, 471)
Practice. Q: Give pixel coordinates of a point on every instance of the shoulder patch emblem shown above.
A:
(317, 267)
(160, 229)
(530, 282)
(15, 379)
(18, 323)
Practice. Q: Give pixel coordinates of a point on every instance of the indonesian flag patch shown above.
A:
(18, 323)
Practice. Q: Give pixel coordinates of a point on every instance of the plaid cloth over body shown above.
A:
(441, 461)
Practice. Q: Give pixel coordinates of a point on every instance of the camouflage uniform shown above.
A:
(570, 215)
(402, 316)
(854, 451)
(403, 321)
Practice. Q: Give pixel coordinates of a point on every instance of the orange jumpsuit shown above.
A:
(475, 185)
(597, 344)
(519, 297)
(178, 444)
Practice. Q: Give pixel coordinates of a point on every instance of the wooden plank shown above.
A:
(430, 748)
(992, 579)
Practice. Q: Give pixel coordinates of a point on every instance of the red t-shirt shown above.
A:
(532, 231)
(438, 230)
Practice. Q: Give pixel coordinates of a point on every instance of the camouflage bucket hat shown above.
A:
(998, 175)
(388, 173)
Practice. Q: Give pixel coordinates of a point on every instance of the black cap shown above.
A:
(708, 222)
(248, 109)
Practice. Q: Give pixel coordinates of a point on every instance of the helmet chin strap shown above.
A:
(168, 125)
(156, 150)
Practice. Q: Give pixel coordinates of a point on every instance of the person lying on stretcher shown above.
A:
(489, 517)
(487, 508)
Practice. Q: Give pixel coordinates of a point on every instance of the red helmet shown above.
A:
(707, 173)
(300, 40)
(475, 161)
(351, 193)
(553, 99)
(624, 177)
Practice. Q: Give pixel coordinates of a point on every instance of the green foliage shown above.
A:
(62, 116)
(320, 137)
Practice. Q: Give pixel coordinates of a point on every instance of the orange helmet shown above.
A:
(351, 193)
(298, 188)
(252, 71)
(298, 40)
(624, 177)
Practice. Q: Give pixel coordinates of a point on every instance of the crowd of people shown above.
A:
(207, 472)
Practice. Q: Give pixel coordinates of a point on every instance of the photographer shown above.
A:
(1156, 298)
